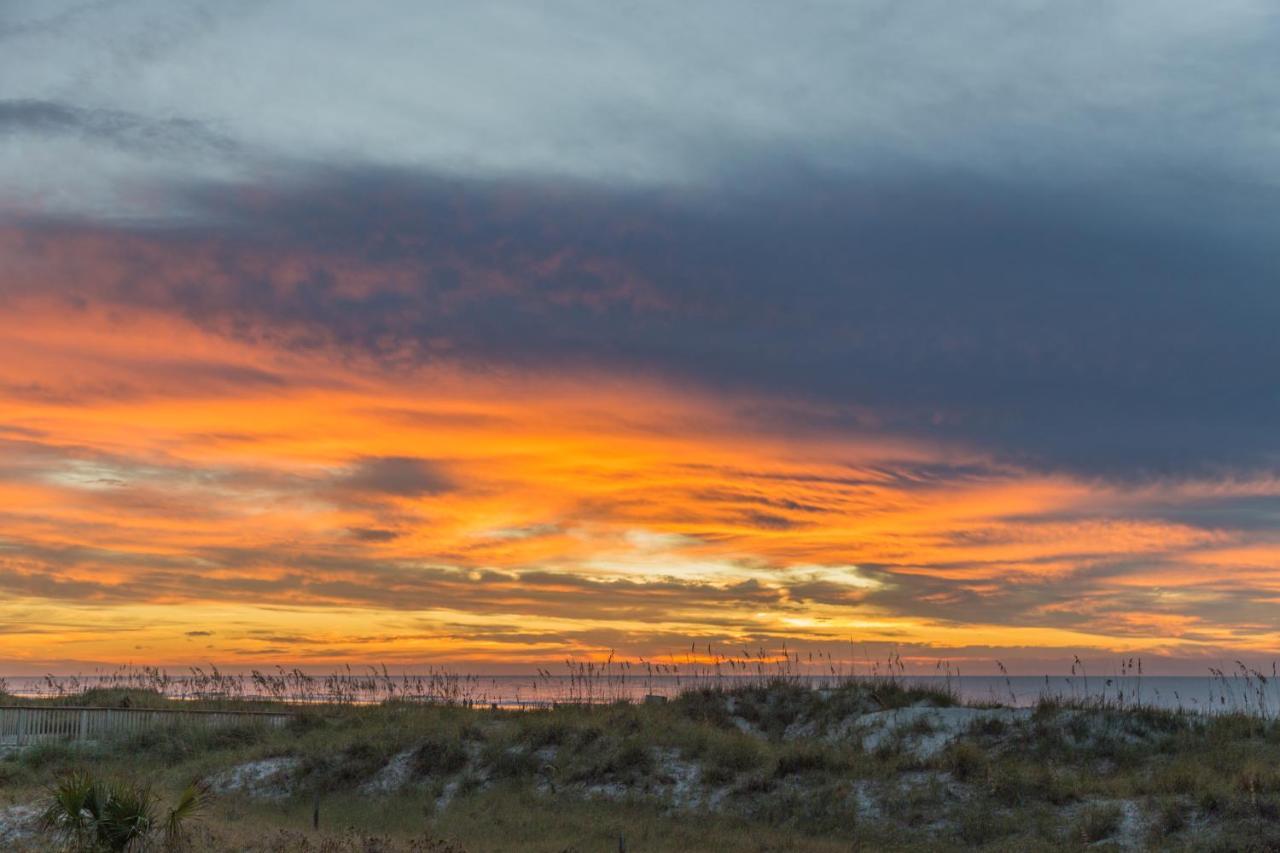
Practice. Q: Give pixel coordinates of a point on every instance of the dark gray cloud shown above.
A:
(372, 534)
(396, 476)
(118, 128)
(1237, 513)
(1105, 330)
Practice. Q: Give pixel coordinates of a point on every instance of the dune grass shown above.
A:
(769, 766)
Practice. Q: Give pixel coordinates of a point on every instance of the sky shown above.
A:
(499, 333)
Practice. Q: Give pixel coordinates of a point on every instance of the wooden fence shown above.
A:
(23, 725)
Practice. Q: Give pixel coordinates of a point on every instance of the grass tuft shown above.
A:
(1099, 822)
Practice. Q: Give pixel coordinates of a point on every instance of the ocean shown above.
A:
(1208, 694)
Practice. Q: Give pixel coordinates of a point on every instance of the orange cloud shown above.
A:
(160, 476)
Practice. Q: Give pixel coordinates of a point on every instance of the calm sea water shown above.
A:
(1192, 693)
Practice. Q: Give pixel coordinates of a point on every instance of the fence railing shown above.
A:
(21, 725)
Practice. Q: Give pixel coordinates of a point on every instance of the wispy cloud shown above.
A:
(507, 332)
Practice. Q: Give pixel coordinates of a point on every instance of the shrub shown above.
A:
(818, 811)
(1183, 776)
(1058, 786)
(896, 693)
(439, 756)
(612, 759)
(545, 730)
(587, 735)
(1226, 728)
(172, 744)
(1214, 798)
(1255, 778)
(1171, 817)
(306, 721)
(980, 825)
(510, 762)
(48, 753)
(808, 758)
(989, 727)
(919, 727)
(632, 757)
(115, 697)
(1012, 785)
(12, 774)
(1099, 822)
(966, 761)
(88, 815)
(725, 758)
(704, 706)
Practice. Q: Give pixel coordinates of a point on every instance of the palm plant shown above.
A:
(190, 802)
(90, 816)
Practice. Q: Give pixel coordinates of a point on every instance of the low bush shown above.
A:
(724, 758)
(439, 757)
(1099, 822)
(808, 758)
(510, 762)
(171, 744)
(966, 760)
(980, 824)
(707, 705)
(1172, 815)
(88, 815)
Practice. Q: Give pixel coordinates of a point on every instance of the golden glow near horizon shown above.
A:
(172, 493)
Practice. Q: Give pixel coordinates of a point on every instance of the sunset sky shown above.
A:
(493, 333)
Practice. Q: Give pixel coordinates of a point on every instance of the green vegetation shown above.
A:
(873, 765)
(85, 815)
